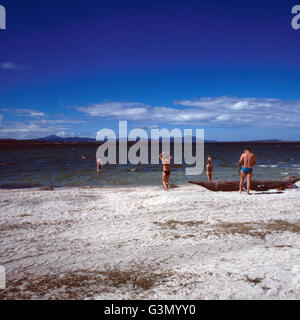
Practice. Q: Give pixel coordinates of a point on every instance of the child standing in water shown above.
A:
(209, 169)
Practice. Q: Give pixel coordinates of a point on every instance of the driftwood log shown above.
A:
(257, 185)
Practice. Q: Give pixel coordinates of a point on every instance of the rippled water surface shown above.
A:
(61, 165)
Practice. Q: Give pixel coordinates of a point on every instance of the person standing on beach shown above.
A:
(247, 161)
(166, 159)
(209, 169)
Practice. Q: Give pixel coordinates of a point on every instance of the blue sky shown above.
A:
(230, 67)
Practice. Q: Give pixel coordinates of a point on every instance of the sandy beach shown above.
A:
(144, 243)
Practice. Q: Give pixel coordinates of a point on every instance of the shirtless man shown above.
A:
(209, 169)
(166, 159)
(99, 164)
(247, 161)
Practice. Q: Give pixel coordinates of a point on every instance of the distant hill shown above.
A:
(57, 139)
(267, 141)
(54, 138)
(254, 141)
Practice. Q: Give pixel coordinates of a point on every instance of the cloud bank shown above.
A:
(206, 112)
(219, 112)
(20, 130)
(35, 124)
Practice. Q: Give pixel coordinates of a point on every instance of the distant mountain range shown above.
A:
(54, 138)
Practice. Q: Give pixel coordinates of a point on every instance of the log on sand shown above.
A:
(257, 185)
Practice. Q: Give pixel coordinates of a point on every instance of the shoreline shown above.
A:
(158, 185)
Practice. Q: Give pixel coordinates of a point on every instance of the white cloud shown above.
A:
(255, 112)
(64, 121)
(116, 110)
(12, 66)
(24, 112)
(240, 105)
(219, 112)
(25, 131)
(66, 134)
(36, 129)
(204, 103)
(223, 117)
(205, 112)
(35, 126)
(147, 127)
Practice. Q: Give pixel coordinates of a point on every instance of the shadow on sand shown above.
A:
(268, 192)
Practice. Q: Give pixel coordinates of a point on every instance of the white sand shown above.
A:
(218, 246)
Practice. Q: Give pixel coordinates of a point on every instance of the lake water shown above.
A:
(60, 165)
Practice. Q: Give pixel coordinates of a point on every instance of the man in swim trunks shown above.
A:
(209, 169)
(247, 161)
(166, 159)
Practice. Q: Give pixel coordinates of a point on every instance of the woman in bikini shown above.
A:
(166, 159)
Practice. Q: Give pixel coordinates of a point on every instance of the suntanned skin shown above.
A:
(209, 169)
(247, 160)
(166, 159)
